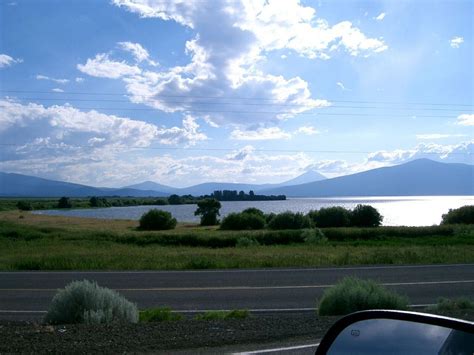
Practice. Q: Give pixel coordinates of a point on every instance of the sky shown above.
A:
(112, 93)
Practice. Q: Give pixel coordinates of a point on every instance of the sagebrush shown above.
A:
(87, 302)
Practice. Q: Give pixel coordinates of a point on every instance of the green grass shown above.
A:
(213, 315)
(352, 294)
(38, 242)
(161, 314)
(446, 304)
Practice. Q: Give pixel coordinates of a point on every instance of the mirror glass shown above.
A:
(389, 336)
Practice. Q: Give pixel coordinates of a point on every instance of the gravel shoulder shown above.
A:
(185, 336)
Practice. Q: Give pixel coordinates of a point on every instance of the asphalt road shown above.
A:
(26, 295)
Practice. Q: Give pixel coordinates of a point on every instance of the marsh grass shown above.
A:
(58, 243)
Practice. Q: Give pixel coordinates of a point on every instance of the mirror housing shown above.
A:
(385, 331)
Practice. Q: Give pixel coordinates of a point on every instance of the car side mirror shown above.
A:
(396, 332)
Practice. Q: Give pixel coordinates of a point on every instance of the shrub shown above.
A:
(87, 302)
(352, 295)
(208, 209)
(330, 217)
(243, 220)
(24, 206)
(157, 220)
(365, 216)
(95, 201)
(175, 200)
(64, 202)
(163, 314)
(253, 210)
(245, 242)
(213, 315)
(461, 215)
(289, 220)
(314, 236)
(269, 217)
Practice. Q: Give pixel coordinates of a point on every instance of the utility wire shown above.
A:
(230, 98)
(187, 103)
(229, 149)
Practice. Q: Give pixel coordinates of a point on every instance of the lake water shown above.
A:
(397, 211)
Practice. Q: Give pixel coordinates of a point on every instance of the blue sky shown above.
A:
(110, 93)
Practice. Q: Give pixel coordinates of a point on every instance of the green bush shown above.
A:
(352, 295)
(254, 210)
(245, 242)
(365, 216)
(24, 206)
(461, 215)
(163, 314)
(213, 315)
(314, 236)
(87, 302)
(208, 209)
(243, 220)
(290, 220)
(330, 217)
(157, 220)
(95, 201)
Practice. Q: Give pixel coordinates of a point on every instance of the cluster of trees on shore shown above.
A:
(253, 218)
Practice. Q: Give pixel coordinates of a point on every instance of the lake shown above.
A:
(397, 211)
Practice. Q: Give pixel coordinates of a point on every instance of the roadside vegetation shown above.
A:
(214, 315)
(448, 305)
(86, 302)
(352, 294)
(159, 314)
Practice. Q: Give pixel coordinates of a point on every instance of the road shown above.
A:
(26, 295)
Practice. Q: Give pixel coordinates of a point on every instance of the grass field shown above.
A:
(35, 242)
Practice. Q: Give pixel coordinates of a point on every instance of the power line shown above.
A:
(185, 103)
(232, 98)
(231, 149)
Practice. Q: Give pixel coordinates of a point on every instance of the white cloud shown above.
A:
(462, 152)
(58, 81)
(71, 127)
(455, 42)
(466, 119)
(57, 90)
(341, 85)
(380, 17)
(79, 80)
(101, 66)
(241, 154)
(227, 63)
(438, 136)
(6, 60)
(308, 130)
(139, 53)
(260, 134)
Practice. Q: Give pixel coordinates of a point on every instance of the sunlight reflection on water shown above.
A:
(397, 211)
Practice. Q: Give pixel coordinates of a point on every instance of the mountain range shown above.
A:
(417, 177)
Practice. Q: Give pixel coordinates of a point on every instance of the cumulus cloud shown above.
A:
(6, 60)
(466, 119)
(101, 66)
(456, 42)
(139, 53)
(260, 134)
(462, 152)
(241, 154)
(58, 81)
(223, 78)
(33, 125)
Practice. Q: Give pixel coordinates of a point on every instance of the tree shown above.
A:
(461, 215)
(95, 201)
(175, 200)
(157, 220)
(365, 216)
(64, 202)
(330, 217)
(208, 209)
(24, 206)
